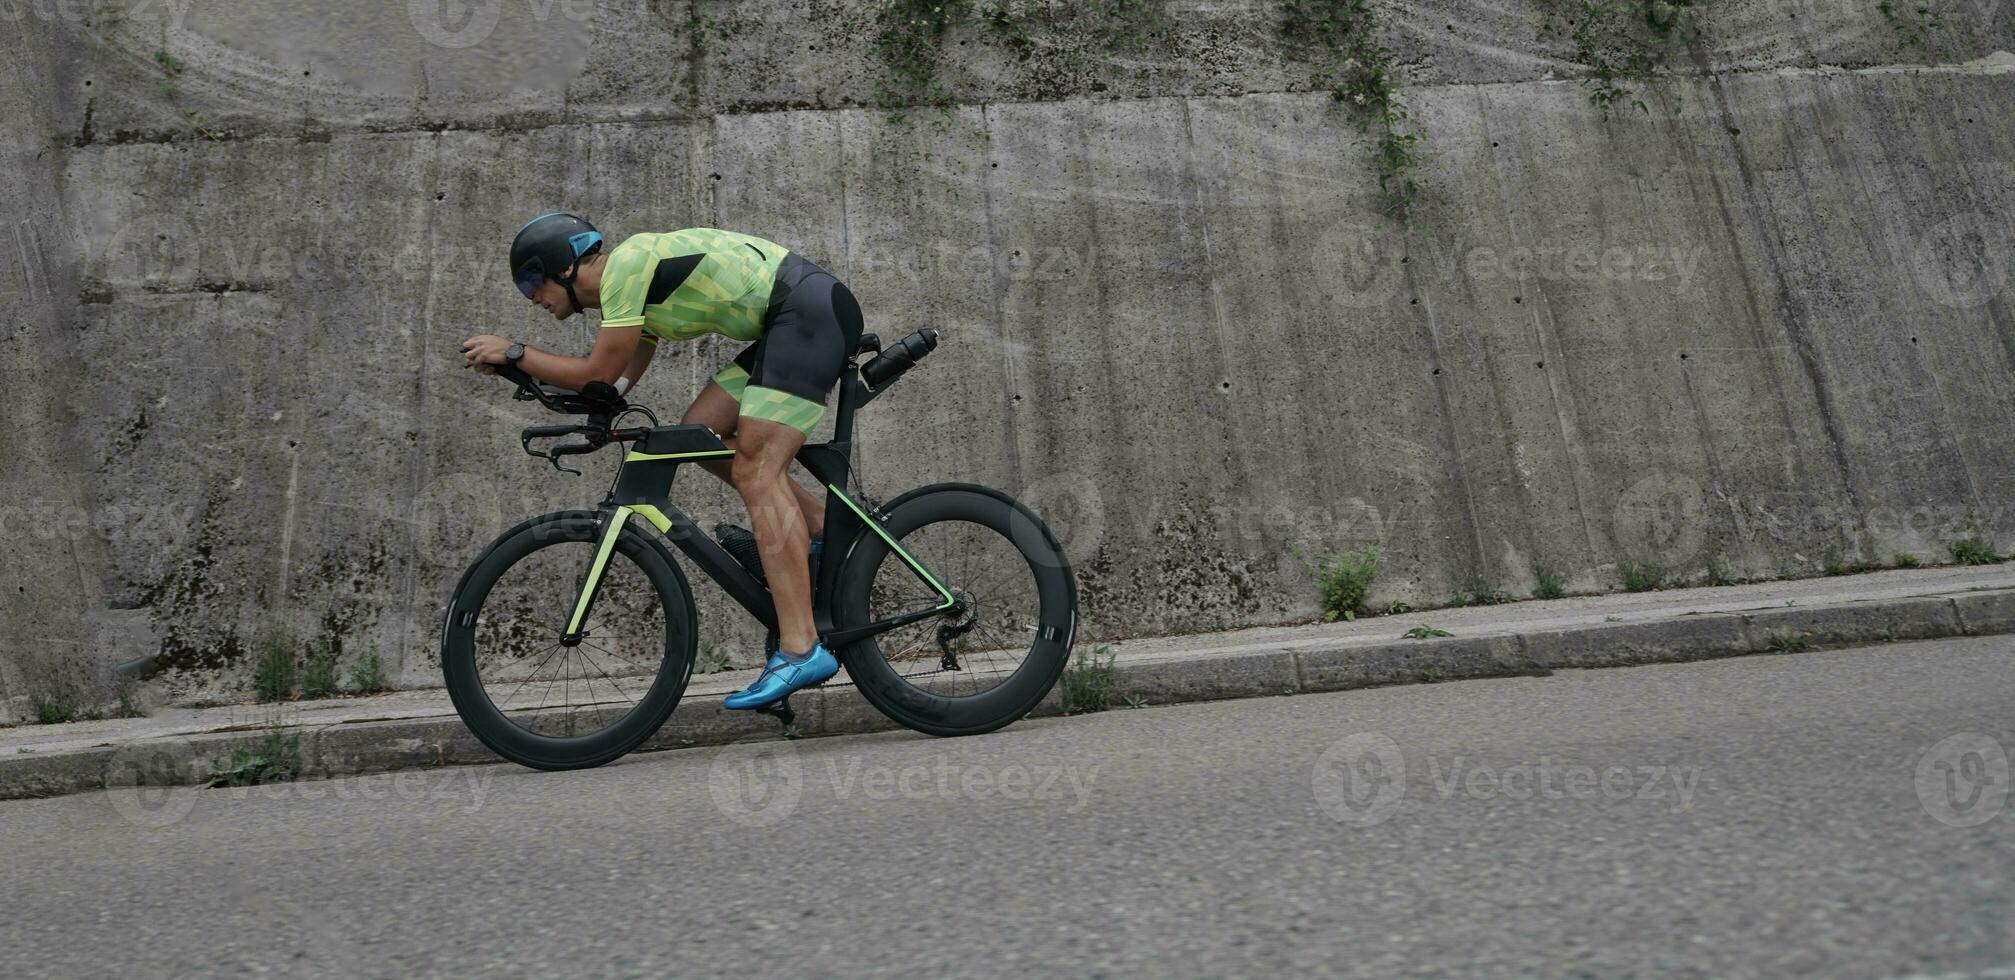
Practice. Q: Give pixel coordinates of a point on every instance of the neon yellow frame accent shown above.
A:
(655, 516)
(911, 562)
(634, 457)
(608, 547)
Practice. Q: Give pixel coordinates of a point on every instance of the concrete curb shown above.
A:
(1233, 672)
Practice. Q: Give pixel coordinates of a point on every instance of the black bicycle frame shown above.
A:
(643, 487)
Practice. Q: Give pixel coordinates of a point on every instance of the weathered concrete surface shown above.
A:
(1764, 323)
(52, 590)
(255, 66)
(1986, 612)
(1341, 667)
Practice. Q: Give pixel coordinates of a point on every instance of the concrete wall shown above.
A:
(1766, 320)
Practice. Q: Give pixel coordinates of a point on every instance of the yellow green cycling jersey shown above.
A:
(679, 285)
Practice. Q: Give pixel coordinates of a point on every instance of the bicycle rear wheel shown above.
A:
(990, 661)
(541, 703)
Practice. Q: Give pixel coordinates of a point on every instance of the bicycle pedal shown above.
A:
(780, 709)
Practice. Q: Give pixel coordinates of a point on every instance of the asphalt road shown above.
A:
(1767, 816)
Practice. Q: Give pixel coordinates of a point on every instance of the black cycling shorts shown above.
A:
(812, 325)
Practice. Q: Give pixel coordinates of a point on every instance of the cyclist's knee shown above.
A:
(748, 472)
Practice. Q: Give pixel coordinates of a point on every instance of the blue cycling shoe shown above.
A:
(784, 675)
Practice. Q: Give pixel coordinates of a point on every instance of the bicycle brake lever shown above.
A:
(548, 457)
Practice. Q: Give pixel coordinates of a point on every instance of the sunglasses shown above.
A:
(528, 281)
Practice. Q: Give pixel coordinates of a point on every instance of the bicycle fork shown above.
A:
(591, 584)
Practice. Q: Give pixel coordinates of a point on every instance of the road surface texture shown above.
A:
(1830, 814)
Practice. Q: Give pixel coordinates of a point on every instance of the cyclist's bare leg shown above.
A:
(761, 474)
(718, 410)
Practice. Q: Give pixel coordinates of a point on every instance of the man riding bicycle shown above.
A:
(800, 324)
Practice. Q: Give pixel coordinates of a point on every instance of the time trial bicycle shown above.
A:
(571, 638)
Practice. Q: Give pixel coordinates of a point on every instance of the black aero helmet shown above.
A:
(546, 247)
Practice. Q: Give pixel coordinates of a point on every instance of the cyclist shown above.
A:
(800, 324)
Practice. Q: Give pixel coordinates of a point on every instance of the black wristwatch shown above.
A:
(512, 353)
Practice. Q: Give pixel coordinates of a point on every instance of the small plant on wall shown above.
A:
(909, 43)
(910, 38)
(1359, 74)
(1620, 40)
(1913, 20)
(1355, 67)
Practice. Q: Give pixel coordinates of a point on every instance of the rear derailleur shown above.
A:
(967, 613)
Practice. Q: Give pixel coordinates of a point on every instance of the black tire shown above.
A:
(554, 738)
(904, 676)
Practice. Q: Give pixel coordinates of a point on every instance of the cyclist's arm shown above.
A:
(613, 357)
(639, 363)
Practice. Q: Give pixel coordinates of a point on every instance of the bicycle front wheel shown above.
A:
(540, 702)
(991, 658)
